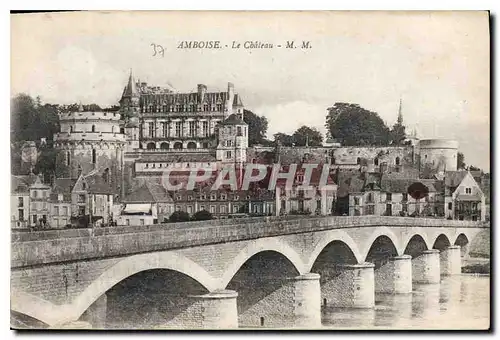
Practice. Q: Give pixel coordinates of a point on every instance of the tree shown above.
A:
(179, 216)
(202, 215)
(257, 127)
(284, 139)
(307, 136)
(460, 161)
(353, 125)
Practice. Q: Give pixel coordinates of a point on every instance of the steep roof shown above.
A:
(400, 185)
(178, 157)
(97, 184)
(148, 193)
(237, 100)
(62, 186)
(452, 179)
(130, 90)
(233, 120)
(18, 184)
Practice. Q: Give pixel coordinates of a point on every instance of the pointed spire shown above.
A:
(400, 112)
(130, 89)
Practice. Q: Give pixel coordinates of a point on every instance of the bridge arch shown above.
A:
(376, 235)
(133, 265)
(463, 241)
(412, 237)
(329, 237)
(442, 241)
(258, 246)
(34, 307)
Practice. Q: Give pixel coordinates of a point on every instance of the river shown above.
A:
(458, 302)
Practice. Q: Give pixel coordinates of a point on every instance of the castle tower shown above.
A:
(437, 155)
(233, 140)
(130, 110)
(90, 141)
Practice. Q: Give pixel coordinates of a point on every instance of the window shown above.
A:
(94, 156)
(369, 198)
(202, 207)
(65, 211)
(238, 133)
(192, 129)
(190, 198)
(388, 196)
(164, 131)
(358, 160)
(235, 209)
(405, 207)
(369, 210)
(84, 185)
(68, 158)
(93, 128)
(20, 202)
(223, 197)
(141, 221)
(20, 212)
(375, 161)
(468, 190)
(450, 206)
(151, 129)
(81, 210)
(56, 210)
(205, 107)
(356, 200)
(223, 209)
(213, 197)
(212, 209)
(34, 219)
(236, 198)
(60, 197)
(189, 209)
(405, 197)
(178, 129)
(81, 198)
(205, 129)
(127, 222)
(398, 161)
(228, 154)
(35, 194)
(219, 107)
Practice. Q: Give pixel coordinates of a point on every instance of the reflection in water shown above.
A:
(458, 302)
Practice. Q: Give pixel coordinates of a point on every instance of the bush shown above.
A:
(179, 216)
(202, 215)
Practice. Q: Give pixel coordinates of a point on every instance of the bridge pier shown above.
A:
(425, 267)
(293, 302)
(353, 287)
(215, 310)
(95, 315)
(394, 277)
(450, 261)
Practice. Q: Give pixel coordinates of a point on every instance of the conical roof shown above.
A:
(130, 89)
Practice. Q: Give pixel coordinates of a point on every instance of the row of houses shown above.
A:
(461, 195)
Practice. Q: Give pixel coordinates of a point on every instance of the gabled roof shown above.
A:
(18, 185)
(453, 179)
(62, 186)
(400, 185)
(149, 193)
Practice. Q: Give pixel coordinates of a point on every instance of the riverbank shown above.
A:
(476, 266)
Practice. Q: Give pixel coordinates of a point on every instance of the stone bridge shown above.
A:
(271, 272)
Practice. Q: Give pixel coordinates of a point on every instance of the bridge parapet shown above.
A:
(108, 242)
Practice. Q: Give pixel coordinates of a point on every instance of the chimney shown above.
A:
(202, 89)
(230, 98)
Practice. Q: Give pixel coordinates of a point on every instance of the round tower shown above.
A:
(438, 154)
(90, 141)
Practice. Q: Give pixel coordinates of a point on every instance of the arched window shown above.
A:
(191, 145)
(178, 146)
(358, 160)
(68, 158)
(164, 146)
(151, 146)
(375, 161)
(94, 156)
(93, 128)
(397, 160)
(105, 175)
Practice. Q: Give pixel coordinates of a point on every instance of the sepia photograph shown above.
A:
(250, 170)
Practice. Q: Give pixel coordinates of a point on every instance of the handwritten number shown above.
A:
(158, 49)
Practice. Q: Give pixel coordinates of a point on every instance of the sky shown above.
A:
(437, 63)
